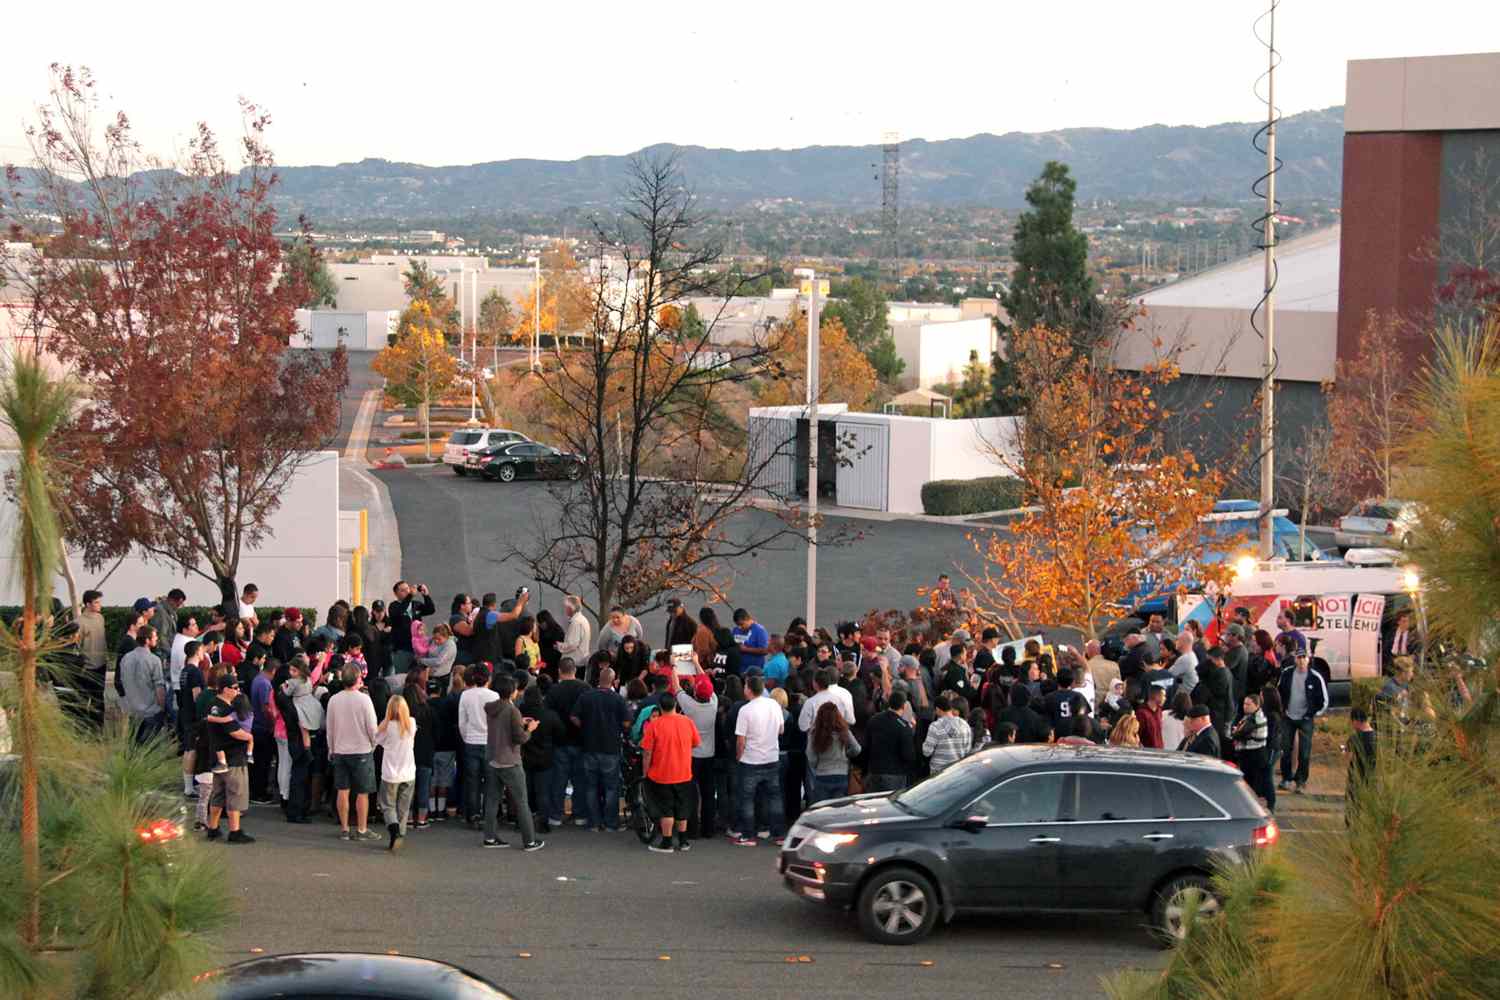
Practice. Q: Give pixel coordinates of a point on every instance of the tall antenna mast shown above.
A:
(1268, 300)
(890, 202)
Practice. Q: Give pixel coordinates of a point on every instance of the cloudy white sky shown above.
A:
(467, 82)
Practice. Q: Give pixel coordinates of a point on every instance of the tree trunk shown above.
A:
(229, 596)
(424, 410)
(31, 857)
(67, 575)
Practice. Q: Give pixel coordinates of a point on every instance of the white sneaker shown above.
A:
(763, 834)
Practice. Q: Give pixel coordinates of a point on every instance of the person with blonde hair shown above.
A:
(397, 734)
(1126, 731)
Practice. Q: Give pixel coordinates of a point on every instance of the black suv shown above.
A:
(1030, 828)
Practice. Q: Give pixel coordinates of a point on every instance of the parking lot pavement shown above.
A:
(455, 532)
(596, 911)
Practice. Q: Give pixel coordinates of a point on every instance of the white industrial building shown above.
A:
(301, 562)
(936, 351)
(356, 331)
(876, 461)
(1205, 319)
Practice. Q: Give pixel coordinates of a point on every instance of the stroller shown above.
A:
(638, 816)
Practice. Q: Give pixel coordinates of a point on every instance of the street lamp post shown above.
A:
(465, 321)
(536, 314)
(811, 277)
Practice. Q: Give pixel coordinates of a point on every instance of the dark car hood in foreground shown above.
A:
(855, 811)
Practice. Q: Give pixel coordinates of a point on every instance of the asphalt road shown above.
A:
(596, 912)
(456, 531)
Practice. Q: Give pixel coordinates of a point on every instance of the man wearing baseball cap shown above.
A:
(701, 707)
(231, 788)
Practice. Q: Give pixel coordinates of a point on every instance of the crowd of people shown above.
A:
(500, 714)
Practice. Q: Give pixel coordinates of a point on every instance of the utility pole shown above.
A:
(1267, 385)
(811, 277)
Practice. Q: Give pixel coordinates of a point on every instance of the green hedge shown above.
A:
(949, 497)
(115, 619)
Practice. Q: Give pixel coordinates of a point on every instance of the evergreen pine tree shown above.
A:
(1050, 285)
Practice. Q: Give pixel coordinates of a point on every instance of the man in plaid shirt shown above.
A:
(949, 737)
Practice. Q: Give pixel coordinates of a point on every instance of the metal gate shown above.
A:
(771, 453)
(863, 464)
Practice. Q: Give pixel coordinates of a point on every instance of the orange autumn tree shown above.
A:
(844, 375)
(1116, 516)
(567, 299)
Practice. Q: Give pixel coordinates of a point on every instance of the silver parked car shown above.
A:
(1382, 523)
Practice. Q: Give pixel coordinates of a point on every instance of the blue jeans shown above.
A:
(147, 729)
(1289, 731)
(424, 788)
(830, 786)
(601, 790)
(752, 779)
(567, 765)
(474, 768)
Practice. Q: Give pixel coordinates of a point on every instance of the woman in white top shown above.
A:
(398, 767)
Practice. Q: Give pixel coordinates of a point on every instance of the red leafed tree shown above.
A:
(163, 291)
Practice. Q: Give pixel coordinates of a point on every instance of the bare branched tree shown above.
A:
(654, 408)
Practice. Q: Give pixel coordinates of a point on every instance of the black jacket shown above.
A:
(1238, 662)
(1317, 691)
(402, 613)
(891, 744)
(1217, 686)
(1031, 727)
(536, 753)
(1206, 743)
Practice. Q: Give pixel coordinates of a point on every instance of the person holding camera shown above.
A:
(410, 604)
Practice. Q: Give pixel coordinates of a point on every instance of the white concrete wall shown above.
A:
(298, 564)
(911, 456)
(967, 449)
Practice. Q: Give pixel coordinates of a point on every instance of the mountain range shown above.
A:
(1158, 162)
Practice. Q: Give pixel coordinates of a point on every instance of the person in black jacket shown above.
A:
(1031, 726)
(1216, 688)
(298, 800)
(536, 753)
(567, 745)
(548, 634)
(425, 746)
(680, 625)
(1201, 736)
(409, 605)
(892, 746)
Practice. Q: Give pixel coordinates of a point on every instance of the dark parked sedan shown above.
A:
(529, 460)
(323, 975)
(1031, 828)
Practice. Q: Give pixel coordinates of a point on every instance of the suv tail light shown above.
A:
(1266, 836)
(1390, 527)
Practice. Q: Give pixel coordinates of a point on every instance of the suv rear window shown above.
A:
(1112, 797)
(1188, 804)
(465, 437)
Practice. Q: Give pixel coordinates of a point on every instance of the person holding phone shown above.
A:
(410, 604)
(508, 731)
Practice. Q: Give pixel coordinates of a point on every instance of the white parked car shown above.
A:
(461, 444)
(1381, 523)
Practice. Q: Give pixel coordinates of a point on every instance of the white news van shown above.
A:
(1341, 607)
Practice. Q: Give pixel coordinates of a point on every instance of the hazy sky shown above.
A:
(464, 82)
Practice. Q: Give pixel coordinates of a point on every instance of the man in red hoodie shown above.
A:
(1149, 715)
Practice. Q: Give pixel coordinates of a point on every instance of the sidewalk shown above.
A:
(360, 490)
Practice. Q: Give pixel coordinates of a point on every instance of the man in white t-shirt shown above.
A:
(825, 681)
(247, 607)
(757, 748)
(474, 730)
(186, 632)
